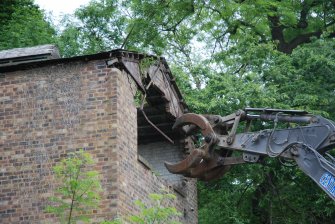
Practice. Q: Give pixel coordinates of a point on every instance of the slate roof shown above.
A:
(28, 54)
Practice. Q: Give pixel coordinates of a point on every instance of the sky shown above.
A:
(59, 7)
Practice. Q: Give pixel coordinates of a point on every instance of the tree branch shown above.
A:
(245, 190)
(73, 196)
(330, 23)
(127, 37)
(276, 29)
(301, 39)
(173, 27)
(306, 6)
(213, 9)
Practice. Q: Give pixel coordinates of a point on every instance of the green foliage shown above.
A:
(271, 193)
(23, 24)
(261, 53)
(267, 193)
(146, 63)
(78, 189)
(154, 22)
(310, 68)
(112, 222)
(157, 212)
(93, 28)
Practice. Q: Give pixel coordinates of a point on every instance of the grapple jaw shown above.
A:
(204, 163)
(300, 143)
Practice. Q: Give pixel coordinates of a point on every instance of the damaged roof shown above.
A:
(164, 100)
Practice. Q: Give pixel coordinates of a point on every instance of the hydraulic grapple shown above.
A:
(307, 142)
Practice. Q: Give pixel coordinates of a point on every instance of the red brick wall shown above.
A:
(136, 181)
(49, 111)
(44, 114)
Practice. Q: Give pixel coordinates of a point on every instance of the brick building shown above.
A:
(50, 106)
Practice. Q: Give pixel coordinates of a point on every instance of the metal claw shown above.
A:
(194, 119)
(183, 166)
(196, 157)
(224, 165)
(209, 170)
(201, 163)
(216, 173)
(203, 167)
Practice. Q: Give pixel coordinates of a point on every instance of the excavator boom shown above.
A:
(307, 142)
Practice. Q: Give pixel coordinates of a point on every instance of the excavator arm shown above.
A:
(307, 142)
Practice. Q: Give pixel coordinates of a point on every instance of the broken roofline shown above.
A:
(119, 54)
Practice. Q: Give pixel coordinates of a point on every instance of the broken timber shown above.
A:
(155, 81)
(164, 102)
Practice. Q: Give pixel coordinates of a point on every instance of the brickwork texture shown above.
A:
(49, 111)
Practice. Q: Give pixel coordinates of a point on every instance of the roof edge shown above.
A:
(98, 56)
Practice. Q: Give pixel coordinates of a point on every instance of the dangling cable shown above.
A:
(152, 124)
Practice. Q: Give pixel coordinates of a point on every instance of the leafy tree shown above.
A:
(273, 193)
(237, 54)
(23, 24)
(288, 23)
(157, 211)
(256, 71)
(268, 193)
(223, 36)
(309, 68)
(96, 27)
(78, 188)
(261, 53)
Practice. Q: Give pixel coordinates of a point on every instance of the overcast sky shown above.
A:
(59, 7)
